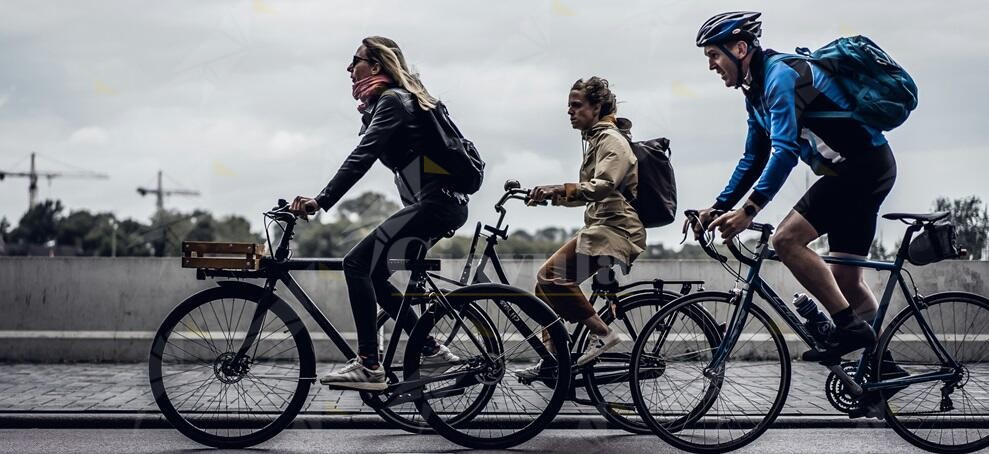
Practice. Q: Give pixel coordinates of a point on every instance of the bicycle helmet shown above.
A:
(731, 26)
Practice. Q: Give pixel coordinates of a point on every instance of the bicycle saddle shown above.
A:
(926, 217)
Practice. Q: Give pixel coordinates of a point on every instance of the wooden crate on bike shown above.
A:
(222, 255)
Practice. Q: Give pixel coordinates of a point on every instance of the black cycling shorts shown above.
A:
(846, 206)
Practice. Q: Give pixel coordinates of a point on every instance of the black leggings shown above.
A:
(407, 234)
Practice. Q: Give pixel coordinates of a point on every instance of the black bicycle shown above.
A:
(231, 366)
(928, 375)
(625, 308)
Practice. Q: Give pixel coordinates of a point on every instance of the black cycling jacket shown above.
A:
(394, 134)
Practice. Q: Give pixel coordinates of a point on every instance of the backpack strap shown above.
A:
(800, 62)
(806, 92)
(623, 190)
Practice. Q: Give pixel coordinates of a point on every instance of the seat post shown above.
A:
(913, 228)
(605, 281)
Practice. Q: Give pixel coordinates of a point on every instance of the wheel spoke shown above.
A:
(696, 409)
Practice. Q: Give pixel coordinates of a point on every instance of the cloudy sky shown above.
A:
(247, 101)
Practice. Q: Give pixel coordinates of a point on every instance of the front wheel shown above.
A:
(948, 415)
(514, 389)
(693, 407)
(405, 415)
(209, 394)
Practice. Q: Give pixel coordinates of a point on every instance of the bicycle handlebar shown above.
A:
(514, 191)
(281, 212)
(707, 244)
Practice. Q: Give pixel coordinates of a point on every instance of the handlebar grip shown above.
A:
(527, 198)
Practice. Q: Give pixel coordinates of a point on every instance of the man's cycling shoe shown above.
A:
(843, 340)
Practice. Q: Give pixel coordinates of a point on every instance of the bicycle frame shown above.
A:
(278, 269)
(754, 284)
(604, 285)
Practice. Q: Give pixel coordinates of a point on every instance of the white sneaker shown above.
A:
(529, 374)
(598, 345)
(355, 376)
(441, 360)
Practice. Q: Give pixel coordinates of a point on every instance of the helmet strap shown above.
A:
(739, 77)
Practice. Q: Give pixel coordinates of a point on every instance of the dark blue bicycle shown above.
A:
(928, 375)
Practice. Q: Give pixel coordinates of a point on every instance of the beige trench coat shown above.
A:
(611, 226)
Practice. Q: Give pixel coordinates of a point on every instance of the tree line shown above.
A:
(46, 229)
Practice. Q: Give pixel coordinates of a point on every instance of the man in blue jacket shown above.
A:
(855, 164)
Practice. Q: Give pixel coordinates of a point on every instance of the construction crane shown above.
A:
(33, 174)
(160, 193)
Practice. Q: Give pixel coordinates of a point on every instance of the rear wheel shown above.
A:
(209, 395)
(513, 405)
(952, 415)
(606, 380)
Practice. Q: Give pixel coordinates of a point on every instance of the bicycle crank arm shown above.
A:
(284, 378)
(853, 388)
(447, 391)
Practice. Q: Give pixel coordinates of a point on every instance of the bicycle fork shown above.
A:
(741, 297)
(240, 363)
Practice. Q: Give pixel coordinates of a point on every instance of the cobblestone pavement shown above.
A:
(124, 388)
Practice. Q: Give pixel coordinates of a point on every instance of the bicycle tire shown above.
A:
(687, 428)
(224, 427)
(903, 407)
(611, 395)
(406, 416)
(498, 427)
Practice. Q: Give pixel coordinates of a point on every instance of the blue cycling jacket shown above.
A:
(776, 136)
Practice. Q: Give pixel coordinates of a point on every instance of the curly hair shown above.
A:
(596, 90)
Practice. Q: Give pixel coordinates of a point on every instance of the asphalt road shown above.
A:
(52, 441)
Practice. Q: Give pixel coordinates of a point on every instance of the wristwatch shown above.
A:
(749, 210)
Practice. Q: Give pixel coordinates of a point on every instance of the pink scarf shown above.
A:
(369, 88)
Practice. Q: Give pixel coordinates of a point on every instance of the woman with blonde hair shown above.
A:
(391, 99)
(612, 232)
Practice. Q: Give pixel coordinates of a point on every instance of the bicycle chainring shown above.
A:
(838, 396)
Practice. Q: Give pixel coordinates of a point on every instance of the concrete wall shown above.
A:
(102, 309)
